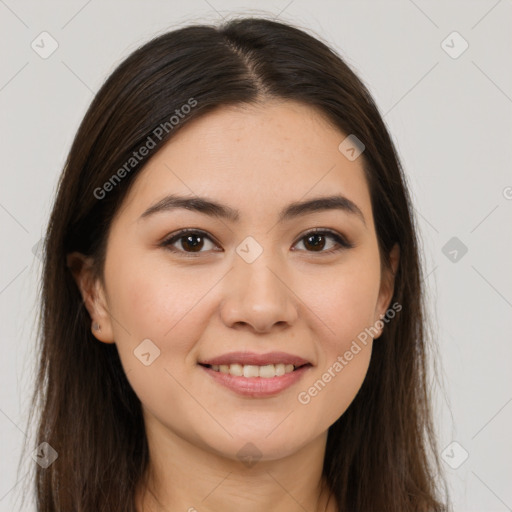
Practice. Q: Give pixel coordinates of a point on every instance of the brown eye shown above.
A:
(193, 243)
(316, 241)
(187, 242)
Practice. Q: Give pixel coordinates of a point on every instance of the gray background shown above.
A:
(451, 119)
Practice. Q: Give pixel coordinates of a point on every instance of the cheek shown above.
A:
(151, 298)
(344, 305)
(345, 301)
(345, 353)
(152, 302)
(336, 385)
(343, 362)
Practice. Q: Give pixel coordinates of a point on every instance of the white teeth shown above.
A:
(251, 371)
(234, 369)
(266, 372)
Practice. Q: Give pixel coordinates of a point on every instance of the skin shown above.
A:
(257, 159)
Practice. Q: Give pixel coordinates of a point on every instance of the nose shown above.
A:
(258, 295)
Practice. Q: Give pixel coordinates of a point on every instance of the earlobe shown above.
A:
(92, 294)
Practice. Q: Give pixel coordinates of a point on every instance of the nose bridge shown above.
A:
(258, 293)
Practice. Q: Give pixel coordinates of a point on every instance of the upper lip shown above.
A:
(252, 358)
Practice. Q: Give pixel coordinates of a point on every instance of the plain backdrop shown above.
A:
(447, 100)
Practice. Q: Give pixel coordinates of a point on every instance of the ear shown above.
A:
(387, 286)
(93, 295)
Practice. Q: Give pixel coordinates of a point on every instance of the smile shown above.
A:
(267, 371)
(256, 381)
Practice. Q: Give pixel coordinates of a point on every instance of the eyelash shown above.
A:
(340, 240)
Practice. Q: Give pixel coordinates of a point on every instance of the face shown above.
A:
(306, 284)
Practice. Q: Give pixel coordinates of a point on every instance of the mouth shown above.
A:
(252, 365)
(256, 381)
(267, 371)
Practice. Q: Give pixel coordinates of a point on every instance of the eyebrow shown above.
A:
(215, 209)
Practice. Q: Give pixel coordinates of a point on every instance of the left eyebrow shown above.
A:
(293, 210)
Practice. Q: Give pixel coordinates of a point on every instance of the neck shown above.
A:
(184, 477)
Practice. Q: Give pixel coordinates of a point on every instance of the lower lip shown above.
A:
(258, 387)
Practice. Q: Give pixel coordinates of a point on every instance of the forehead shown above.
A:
(254, 158)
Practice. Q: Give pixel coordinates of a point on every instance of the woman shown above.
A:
(232, 308)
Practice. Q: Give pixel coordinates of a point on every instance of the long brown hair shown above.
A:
(381, 453)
